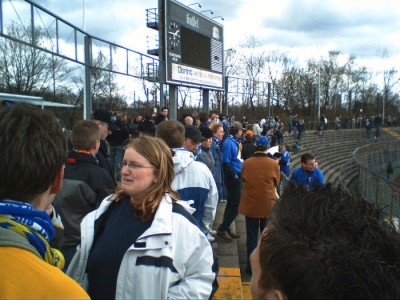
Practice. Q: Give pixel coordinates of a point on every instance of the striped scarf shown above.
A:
(215, 140)
(32, 224)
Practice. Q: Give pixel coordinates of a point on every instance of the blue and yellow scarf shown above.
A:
(32, 224)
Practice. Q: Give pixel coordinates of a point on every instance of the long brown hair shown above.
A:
(159, 156)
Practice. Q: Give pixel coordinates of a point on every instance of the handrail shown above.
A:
(371, 160)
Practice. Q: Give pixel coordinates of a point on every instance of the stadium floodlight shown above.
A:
(197, 3)
(207, 10)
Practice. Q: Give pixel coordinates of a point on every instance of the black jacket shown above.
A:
(119, 133)
(85, 185)
(248, 149)
(102, 157)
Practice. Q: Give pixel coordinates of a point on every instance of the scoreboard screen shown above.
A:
(194, 48)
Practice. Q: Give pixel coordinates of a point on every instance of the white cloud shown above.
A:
(303, 29)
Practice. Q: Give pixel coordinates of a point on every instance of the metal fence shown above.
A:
(373, 184)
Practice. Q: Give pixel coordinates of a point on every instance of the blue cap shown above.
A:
(262, 141)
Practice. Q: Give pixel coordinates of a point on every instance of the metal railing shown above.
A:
(373, 183)
(67, 41)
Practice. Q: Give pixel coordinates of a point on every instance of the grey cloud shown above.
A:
(313, 23)
(322, 17)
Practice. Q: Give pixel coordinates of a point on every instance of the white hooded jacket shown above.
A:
(172, 259)
(194, 181)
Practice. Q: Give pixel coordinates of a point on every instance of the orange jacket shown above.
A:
(260, 176)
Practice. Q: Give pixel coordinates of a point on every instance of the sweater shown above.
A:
(25, 275)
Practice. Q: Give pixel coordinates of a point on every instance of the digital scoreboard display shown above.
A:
(194, 48)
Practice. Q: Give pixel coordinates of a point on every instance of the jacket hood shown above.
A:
(182, 159)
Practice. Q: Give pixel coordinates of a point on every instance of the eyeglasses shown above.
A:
(133, 166)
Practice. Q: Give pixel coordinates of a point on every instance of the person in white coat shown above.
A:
(140, 243)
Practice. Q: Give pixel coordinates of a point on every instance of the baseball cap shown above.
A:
(102, 115)
(249, 133)
(206, 133)
(237, 125)
(262, 141)
(193, 133)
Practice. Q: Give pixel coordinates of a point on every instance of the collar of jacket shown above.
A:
(161, 225)
(75, 157)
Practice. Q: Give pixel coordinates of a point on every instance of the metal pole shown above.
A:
(319, 90)
(173, 100)
(225, 106)
(87, 101)
(206, 100)
(1, 16)
(84, 14)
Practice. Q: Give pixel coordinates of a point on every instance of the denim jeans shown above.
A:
(253, 228)
(115, 160)
(234, 190)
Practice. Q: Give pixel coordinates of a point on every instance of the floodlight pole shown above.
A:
(319, 90)
(87, 101)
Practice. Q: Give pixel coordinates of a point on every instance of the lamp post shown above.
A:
(218, 17)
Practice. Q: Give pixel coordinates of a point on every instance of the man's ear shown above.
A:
(57, 183)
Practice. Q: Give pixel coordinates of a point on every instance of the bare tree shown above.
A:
(105, 90)
(253, 63)
(24, 69)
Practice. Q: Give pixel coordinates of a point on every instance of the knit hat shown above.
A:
(206, 133)
(249, 133)
(193, 133)
(102, 115)
(262, 141)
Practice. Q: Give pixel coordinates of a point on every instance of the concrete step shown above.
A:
(229, 277)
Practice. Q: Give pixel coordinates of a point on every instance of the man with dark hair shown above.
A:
(232, 167)
(308, 173)
(162, 116)
(193, 138)
(193, 180)
(326, 244)
(85, 185)
(33, 150)
(147, 126)
(204, 119)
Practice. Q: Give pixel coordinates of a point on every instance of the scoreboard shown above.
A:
(194, 48)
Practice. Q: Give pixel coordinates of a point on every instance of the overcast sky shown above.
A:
(301, 28)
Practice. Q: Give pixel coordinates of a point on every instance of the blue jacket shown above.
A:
(310, 179)
(285, 162)
(232, 164)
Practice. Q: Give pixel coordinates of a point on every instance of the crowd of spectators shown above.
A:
(137, 201)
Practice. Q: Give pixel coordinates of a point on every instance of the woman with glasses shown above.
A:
(141, 243)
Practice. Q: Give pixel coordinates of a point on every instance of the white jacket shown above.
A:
(194, 181)
(172, 259)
